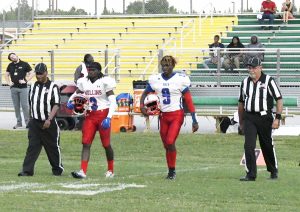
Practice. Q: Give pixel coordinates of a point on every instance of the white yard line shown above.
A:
(98, 190)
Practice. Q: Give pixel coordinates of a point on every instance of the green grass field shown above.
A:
(208, 173)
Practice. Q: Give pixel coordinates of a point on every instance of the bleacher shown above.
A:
(137, 39)
(281, 60)
(283, 37)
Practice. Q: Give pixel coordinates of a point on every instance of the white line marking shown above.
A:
(90, 192)
(14, 186)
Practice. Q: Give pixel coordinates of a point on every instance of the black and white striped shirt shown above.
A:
(42, 98)
(259, 96)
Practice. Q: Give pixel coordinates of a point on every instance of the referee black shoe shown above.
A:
(273, 176)
(247, 178)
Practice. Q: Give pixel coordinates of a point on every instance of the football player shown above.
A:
(171, 88)
(98, 89)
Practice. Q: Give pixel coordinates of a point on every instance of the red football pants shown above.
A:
(92, 124)
(170, 124)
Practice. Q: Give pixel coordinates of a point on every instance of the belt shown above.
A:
(261, 113)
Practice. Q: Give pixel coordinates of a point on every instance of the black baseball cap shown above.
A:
(254, 62)
(40, 68)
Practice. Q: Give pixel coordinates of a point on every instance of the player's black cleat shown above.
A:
(171, 175)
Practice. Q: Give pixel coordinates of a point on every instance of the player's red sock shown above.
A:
(84, 165)
(110, 165)
(168, 158)
(172, 155)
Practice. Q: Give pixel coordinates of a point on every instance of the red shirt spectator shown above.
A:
(268, 7)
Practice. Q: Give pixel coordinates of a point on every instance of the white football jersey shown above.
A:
(96, 92)
(169, 90)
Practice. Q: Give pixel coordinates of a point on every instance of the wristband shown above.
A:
(278, 116)
(194, 117)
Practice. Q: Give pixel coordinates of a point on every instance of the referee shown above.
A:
(44, 100)
(257, 94)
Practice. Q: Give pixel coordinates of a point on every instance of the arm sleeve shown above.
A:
(56, 95)
(110, 84)
(79, 84)
(189, 101)
(28, 67)
(274, 90)
(242, 96)
(186, 83)
(112, 105)
(190, 105)
(149, 87)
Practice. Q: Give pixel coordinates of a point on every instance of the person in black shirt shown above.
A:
(18, 73)
(44, 101)
(256, 101)
(234, 55)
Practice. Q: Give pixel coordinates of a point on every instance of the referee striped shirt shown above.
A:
(42, 98)
(259, 96)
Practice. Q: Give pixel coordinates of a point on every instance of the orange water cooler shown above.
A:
(138, 88)
(122, 120)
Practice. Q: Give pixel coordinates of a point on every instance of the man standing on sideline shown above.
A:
(44, 101)
(81, 70)
(256, 101)
(18, 73)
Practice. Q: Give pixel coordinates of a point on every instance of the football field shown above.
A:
(208, 172)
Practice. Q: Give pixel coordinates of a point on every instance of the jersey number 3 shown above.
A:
(166, 94)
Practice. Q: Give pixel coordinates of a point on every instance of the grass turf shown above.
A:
(208, 173)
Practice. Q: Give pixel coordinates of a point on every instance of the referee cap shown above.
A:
(40, 68)
(254, 62)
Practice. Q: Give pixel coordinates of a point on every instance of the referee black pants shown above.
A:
(255, 124)
(50, 139)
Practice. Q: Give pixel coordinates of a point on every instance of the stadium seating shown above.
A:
(215, 93)
(136, 39)
(283, 37)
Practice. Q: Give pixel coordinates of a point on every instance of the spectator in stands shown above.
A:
(268, 8)
(81, 70)
(18, 73)
(234, 58)
(213, 59)
(254, 49)
(287, 9)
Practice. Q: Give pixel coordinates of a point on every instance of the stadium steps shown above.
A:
(284, 38)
